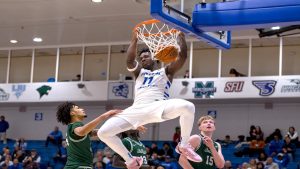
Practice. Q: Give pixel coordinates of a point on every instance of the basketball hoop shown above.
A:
(157, 36)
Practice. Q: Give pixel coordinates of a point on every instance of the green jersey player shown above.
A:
(133, 144)
(209, 150)
(77, 137)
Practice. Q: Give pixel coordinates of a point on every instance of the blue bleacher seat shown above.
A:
(293, 165)
(47, 153)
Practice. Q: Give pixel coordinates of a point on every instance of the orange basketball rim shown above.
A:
(157, 35)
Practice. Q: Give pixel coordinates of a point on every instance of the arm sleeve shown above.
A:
(72, 133)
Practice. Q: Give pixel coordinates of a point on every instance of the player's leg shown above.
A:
(108, 134)
(186, 111)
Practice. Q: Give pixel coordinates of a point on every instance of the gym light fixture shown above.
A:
(97, 1)
(13, 41)
(282, 31)
(275, 28)
(37, 39)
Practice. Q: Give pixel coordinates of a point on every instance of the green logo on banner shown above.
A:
(43, 90)
(202, 90)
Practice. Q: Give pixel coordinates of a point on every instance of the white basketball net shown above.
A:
(157, 36)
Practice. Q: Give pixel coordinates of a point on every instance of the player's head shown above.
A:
(133, 134)
(206, 123)
(68, 111)
(145, 59)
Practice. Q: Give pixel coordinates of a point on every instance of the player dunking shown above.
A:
(151, 103)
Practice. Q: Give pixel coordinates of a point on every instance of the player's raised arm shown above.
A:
(195, 142)
(87, 128)
(217, 155)
(173, 67)
(132, 65)
(184, 163)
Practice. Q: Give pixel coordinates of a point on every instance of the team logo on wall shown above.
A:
(44, 90)
(18, 90)
(266, 87)
(121, 89)
(234, 86)
(212, 113)
(291, 88)
(202, 90)
(3, 95)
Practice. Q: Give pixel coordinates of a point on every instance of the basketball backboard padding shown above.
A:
(178, 21)
(246, 14)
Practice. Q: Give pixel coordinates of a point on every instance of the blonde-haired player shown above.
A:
(209, 150)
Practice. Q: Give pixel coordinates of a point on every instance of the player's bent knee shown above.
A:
(189, 106)
(102, 133)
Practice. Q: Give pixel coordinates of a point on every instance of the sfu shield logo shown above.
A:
(266, 87)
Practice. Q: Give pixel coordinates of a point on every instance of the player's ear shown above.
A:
(72, 113)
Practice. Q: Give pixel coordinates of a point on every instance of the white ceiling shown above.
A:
(69, 22)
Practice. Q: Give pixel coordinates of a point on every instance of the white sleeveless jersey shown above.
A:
(151, 86)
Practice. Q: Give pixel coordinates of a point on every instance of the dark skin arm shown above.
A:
(131, 55)
(173, 67)
(118, 161)
(93, 133)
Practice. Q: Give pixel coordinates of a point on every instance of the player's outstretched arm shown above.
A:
(194, 141)
(118, 161)
(219, 158)
(217, 155)
(84, 130)
(173, 67)
(184, 163)
(132, 64)
(142, 129)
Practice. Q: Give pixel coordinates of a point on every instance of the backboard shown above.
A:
(178, 14)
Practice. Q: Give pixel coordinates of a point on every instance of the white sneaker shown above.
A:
(135, 163)
(188, 152)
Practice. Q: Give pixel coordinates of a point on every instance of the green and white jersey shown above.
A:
(78, 149)
(207, 157)
(136, 148)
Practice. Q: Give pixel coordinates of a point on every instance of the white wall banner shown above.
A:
(237, 87)
(196, 88)
(54, 92)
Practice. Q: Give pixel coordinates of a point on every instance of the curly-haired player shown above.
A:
(77, 137)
